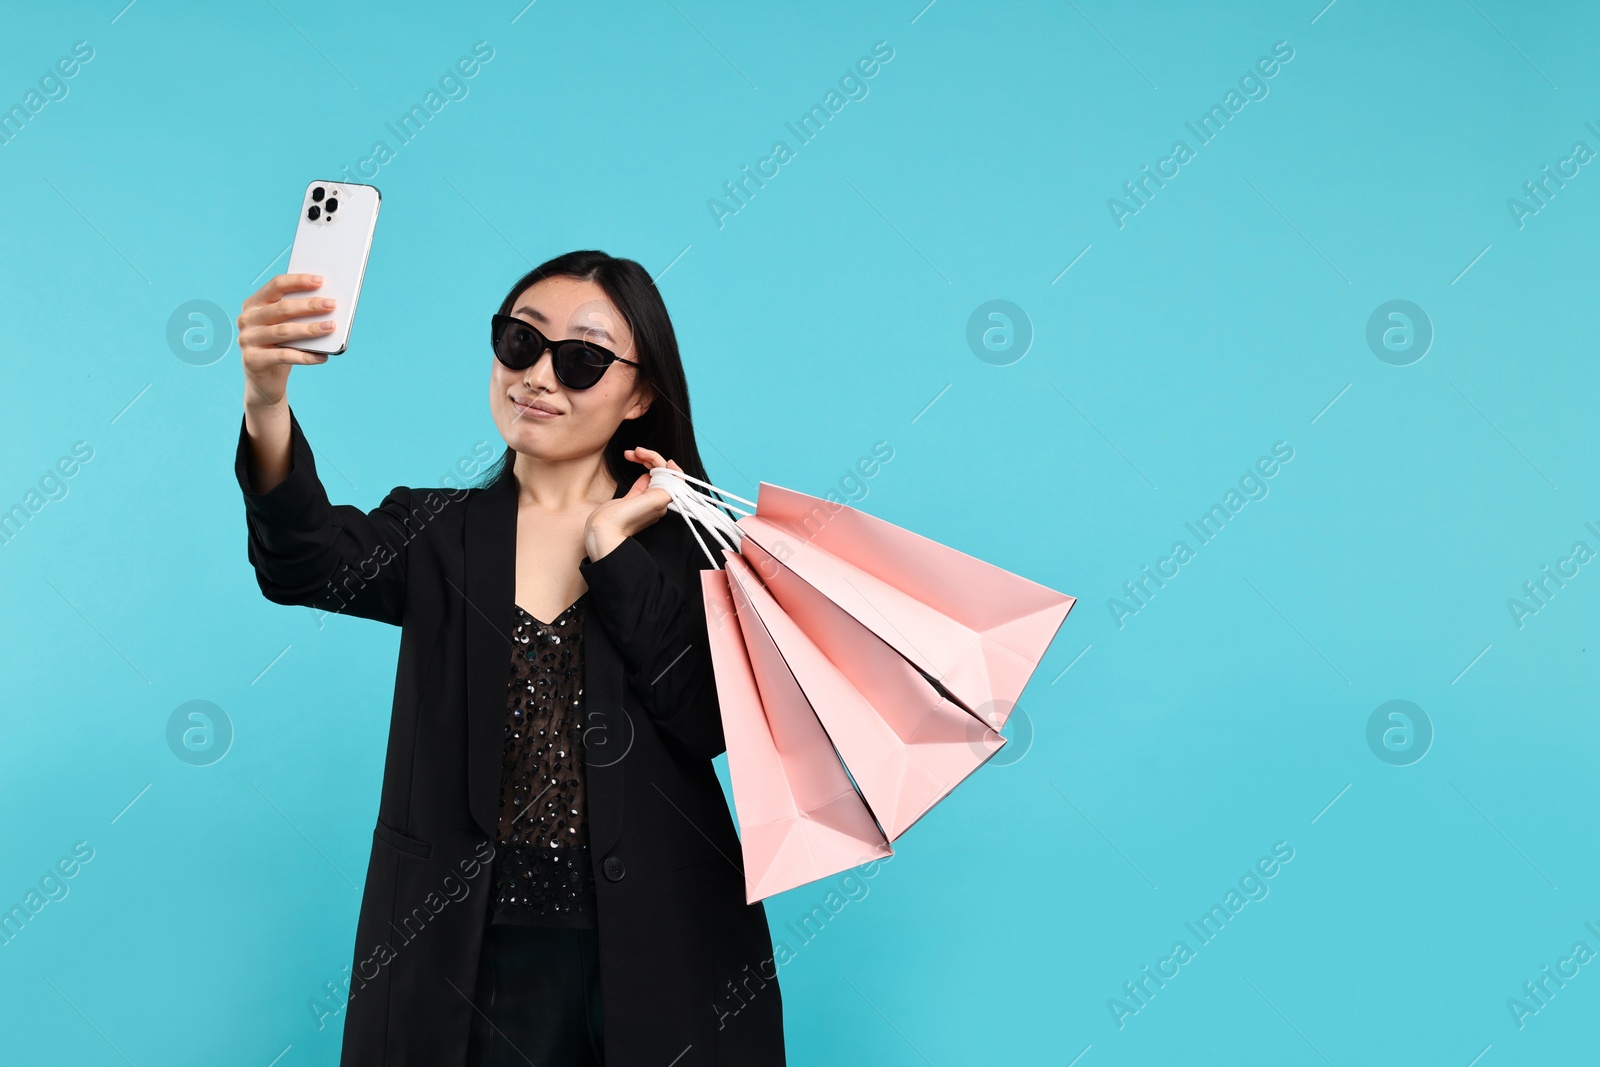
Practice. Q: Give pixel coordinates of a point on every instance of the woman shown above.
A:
(554, 875)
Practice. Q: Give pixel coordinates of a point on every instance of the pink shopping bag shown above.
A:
(800, 818)
(975, 628)
(905, 746)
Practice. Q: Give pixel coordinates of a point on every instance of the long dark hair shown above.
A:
(666, 427)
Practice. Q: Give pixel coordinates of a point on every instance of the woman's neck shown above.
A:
(560, 485)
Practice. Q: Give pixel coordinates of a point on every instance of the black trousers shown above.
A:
(538, 998)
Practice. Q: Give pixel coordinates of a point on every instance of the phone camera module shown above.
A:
(313, 213)
(317, 193)
(333, 204)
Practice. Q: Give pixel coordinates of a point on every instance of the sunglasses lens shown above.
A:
(517, 345)
(578, 366)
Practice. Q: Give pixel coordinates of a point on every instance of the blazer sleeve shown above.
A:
(659, 626)
(308, 552)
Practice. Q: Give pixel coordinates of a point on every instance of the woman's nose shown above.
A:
(542, 372)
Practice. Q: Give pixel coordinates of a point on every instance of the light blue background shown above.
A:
(1227, 315)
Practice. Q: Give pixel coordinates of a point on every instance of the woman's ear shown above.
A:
(643, 398)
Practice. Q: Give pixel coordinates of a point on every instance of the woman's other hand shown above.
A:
(626, 515)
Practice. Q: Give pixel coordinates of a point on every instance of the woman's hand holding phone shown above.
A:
(266, 322)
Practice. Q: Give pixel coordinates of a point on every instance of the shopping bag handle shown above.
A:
(693, 504)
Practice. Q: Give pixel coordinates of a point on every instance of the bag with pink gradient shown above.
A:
(864, 671)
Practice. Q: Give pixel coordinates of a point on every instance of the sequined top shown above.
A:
(542, 872)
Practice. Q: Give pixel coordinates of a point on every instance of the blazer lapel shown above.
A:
(607, 734)
(489, 574)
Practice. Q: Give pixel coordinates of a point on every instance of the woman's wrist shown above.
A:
(600, 538)
(262, 409)
(269, 454)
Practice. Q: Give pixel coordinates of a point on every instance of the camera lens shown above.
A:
(313, 213)
(333, 204)
(316, 194)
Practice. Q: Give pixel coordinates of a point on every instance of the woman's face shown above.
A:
(538, 415)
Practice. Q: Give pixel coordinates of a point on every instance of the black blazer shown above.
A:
(686, 966)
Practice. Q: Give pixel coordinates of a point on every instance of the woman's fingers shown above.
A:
(279, 284)
(263, 321)
(279, 310)
(281, 333)
(649, 457)
(291, 355)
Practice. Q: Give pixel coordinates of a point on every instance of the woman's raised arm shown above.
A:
(307, 551)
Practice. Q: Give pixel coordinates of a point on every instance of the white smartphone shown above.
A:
(333, 237)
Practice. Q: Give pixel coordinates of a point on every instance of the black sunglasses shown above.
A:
(578, 364)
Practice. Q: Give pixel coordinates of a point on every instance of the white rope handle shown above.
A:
(708, 485)
(694, 504)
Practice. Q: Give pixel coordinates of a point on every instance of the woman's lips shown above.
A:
(528, 411)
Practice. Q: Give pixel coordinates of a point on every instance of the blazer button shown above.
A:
(613, 868)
